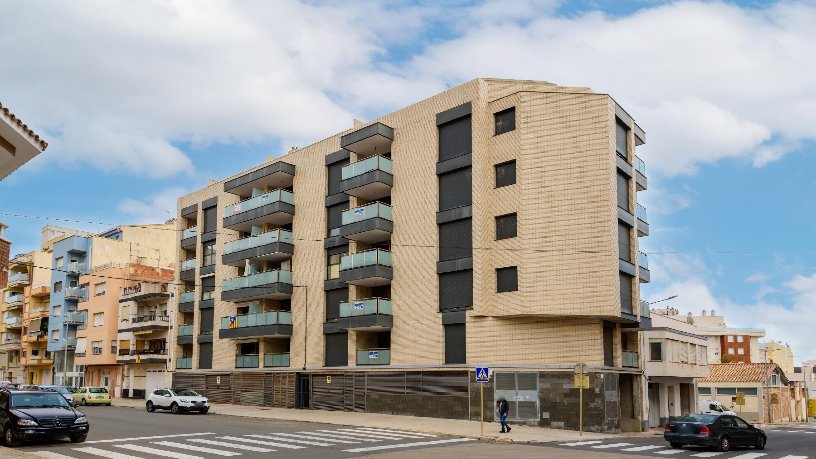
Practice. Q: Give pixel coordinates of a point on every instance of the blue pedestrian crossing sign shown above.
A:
(482, 374)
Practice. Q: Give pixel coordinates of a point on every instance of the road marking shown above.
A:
(669, 452)
(199, 449)
(611, 445)
(314, 437)
(158, 452)
(643, 448)
(407, 445)
(794, 457)
(50, 455)
(709, 454)
(360, 437)
(376, 434)
(259, 442)
(230, 445)
(748, 456)
(582, 443)
(290, 440)
(150, 438)
(397, 431)
(103, 453)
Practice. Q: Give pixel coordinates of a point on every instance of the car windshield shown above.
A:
(185, 392)
(701, 418)
(97, 390)
(38, 400)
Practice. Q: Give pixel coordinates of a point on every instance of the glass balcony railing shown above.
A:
(76, 293)
(269, 237)
(367, 258)
(76, 267)
(13, 298)
(373, 210)
(70, 341)
(259, 201)
(643, 260)
(188, 264)
(641, 214)
(75, 318)
(185, 330)
(276, 360)
(17, 277)
(645, 309)
(246, 361)
(184, 363)
(189, 232)
(373, 356)
(629, 359)
(365, 307)
(257, 319)
(640, 165)
(11, 340)
(187, 297)
(254, 280)
(369, 164)
(12, 321)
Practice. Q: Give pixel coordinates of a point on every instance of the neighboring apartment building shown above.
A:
(495, 223)
(11, 311)
(727, 344)
(18, 143)
(769, 395)
(675, 358)
(5, 253)
(778, 353)
(809, 372)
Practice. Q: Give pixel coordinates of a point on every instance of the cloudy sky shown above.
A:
(144, 101)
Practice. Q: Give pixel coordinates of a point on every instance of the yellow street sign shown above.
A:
(741, 398)
(581, 381)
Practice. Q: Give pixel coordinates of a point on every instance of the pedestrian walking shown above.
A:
(503, 408)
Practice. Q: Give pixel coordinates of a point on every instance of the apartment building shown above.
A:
(18, 143)
(728, 344)
(495, 223)
(778, 353)
(11, 311)
(5, 253)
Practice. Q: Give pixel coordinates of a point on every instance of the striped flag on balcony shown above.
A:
(232, 322)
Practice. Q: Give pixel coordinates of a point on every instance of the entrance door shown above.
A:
(521, 392)
(654, 405)
(685, 399)
(302, 391)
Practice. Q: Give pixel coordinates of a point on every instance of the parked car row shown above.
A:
(86, 395)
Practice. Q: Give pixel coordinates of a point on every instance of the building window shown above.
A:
(333, 267)
(622, 139)
(741, 351)
(506, 226)
(748, 390)
(730, 339)
(96, 347)
(98, 319)
(623, 191)
(704, 390)
(114, 349)
(58, 310)
(726, 391)
(505, 120)
(505, 174)
(740, 338)
(57, 287)
(207, 295)
(55, 335)
(507, 279)
(731, 351)
(99, 289)
(656, 351)
(209, 254)
(60, 262)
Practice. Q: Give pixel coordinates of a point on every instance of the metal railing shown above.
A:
(11, 321)
(365, 307)
(14, 298)
(369, 164)
(373, 356)
(189, 232)
(11, 340)
(629, 359)
(640, 166)
(76, 267)
(187, 297)
(366, 212)
(643, 260)
(17, 277)
(246, 361)
(277, 235)
(367, 258)
(641, 214)
(75, 318)
(257, 319)
(254, 280)
(185, 330)
(184, 363)
(150, 318)
(276, 360)
(76, 293)
(278, 195)
(188, 264)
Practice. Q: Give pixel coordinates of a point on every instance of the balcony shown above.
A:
(246, 361)
(645, 309)
(184, 363)
(185, 334)
(261, 324)
(373, 356)
(37, 360)
(75, 318)
(40, 291)
(187, 269)
(275, 175)
(13, 322)
(14, 300)
(640, 174)
(368, 269)
(144, 291)
(629, 359)
(145, 323)
(76, 268)
(186, 301)
(188, 237)
(76, 294)
(18, 280)
(275, 246)
(10, 344)
(137, 356)
(643, 222)
(276, 360)
(276, 285)
(372, 314)
(643, 263)
(371, 140)
(369, 179)
(275, 208)
(370, 223)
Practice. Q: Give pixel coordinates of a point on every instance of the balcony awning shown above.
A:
(80, 346)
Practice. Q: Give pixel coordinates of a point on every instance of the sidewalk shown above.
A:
(452, 427)
(11, 453)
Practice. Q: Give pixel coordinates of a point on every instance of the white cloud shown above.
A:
(156, 208)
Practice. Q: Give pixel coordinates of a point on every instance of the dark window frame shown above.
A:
(499, 172)
(656, 348)
(503, 123)
(502, 278)
(501, 220)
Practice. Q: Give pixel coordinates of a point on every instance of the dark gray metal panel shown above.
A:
(189, 210)
(207, 203)
(624, 242)
(459, 264)
(641, 180)
(365, 272)
(279, 166)
(206, 320)
(186, 307)
(261, 330)
(623, 165)
(506, 226)
(334, 217)
(451, 215)
(205, 351)
(206, 304)
(623, 191)
(334, 174)
(336, 198)
(640, 135)
(333, 327)
(626, 292)
(266, 249)
(629, 317)
(333, 284)
(453, 164)
(335, 241)
(367, 225)
(621, 137)
(626, 267)
(455, 138)
(205, 338)
(454, 113)
(337, 156)
(643, 228)
(210, 220)
(455, 290)
(456, 240)
(187, 275)
(455, 189)
(367, 179)
(269, 209)
(450, 318)
(338, 249)
(626, 217)
(333, 300)
(376, 321)
(206, 270)
(366, 132)
(208, 237)
(336, 352)
(256, 292)
(645, 275)
(189, 243)
(505, 173)
(185, 339)
(455, 344)
(507, 279)
(645, 322)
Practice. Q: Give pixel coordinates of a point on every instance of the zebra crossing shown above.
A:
(663, 449)
(207, 444)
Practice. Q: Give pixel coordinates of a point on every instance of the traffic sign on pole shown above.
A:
(482, 374)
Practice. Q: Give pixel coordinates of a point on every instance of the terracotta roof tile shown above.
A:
(741, 372)
(36, 138)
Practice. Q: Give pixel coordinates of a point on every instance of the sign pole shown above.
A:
(481, 411)
(581, 404)
(482, 378)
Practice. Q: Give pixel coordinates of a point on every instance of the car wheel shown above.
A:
(149, 407)
(9, 437)
(174, 408)
(78, 438)
(724, 445)
(204, 411)
(761, 440)
(676, 445)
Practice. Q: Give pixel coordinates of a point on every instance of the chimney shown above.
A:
(704, 312)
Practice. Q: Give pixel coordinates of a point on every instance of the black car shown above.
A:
(720, 431)
(29, 415)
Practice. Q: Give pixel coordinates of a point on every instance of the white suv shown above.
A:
(177, 401)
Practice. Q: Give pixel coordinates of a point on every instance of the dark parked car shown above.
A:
(29, 415)
(722, 432)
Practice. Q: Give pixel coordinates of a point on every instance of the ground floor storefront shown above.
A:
(670, 398)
